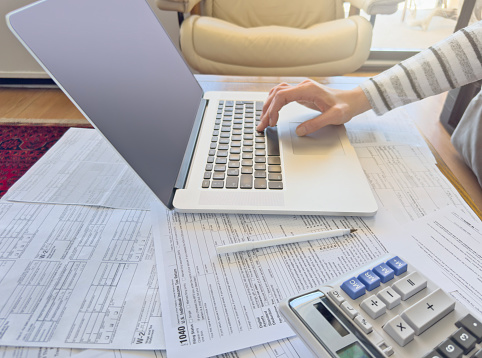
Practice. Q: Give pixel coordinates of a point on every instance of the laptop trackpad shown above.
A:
(322, 142)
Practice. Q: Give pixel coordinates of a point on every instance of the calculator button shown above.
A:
(464, 339)
(409, 285)
(353, 288)
(384, 272)
(471, 324)
(336, 296)
(449, 349)
(389, 297)
(397, 265)
(369, 279)
(399, 330)
(388, 351)
(373, 306)
(428, 310)
(363, 324)
(349, 310)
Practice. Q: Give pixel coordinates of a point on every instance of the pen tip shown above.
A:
(352, 230)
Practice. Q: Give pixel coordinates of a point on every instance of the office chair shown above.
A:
(275, 37)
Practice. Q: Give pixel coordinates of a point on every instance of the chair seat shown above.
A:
(275, 50)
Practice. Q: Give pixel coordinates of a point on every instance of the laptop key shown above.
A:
(275, 185)
(206, 183)
(246, 181)
(260, 183)
(272, 141)
(274, 160)
(274, 168)
(232, 182)
(259, 174)
(233, 172)
(275, 176)
(217, 184)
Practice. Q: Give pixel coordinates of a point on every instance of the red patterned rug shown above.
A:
(21, 147)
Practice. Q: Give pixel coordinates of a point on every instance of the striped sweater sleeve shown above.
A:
(451, 63)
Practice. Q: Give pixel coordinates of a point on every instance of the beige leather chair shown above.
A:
(275, 37)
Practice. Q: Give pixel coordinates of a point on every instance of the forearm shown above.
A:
(451, 63)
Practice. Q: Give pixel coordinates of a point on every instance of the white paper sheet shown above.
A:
(82, 168)
(448, 243)
(78, 277)
(214, 304)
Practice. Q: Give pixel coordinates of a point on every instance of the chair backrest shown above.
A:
(291, 13)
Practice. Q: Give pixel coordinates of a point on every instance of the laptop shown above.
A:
(197, 151)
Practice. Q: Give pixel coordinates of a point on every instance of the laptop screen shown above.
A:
(115, 61)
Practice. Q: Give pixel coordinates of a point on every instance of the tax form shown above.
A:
(214, 304)
(78, 277)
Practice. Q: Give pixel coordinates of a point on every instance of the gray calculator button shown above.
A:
(389, 297)
(365, 326)
(471, 324)
(464, 339)
(349, 310)
(428, 310)
(409, 285)
(206, 183)
(373, 306)
(336, 296)
(448, 349)
(399, 330)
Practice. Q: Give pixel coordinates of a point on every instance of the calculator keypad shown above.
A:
(376, 292)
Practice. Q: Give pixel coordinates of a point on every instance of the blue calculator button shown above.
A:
(384, 272)
(353, 288)
(369, 279)
(398, 265)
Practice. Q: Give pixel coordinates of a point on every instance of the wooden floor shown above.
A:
(49, 106)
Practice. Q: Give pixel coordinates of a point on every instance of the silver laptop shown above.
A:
(198, 152)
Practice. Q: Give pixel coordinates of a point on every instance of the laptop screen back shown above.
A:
(115, 61)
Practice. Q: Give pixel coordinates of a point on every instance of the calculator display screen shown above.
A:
(331, 319)
(354, 350)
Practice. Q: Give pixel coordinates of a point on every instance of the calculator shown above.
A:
(386, 308)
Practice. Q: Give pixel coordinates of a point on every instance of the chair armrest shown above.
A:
(177, 5)
(375, 7)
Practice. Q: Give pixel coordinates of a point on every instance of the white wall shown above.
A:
(16, 62)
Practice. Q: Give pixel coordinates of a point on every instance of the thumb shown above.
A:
(312, 125)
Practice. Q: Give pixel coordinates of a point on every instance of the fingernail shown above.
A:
(301, 131)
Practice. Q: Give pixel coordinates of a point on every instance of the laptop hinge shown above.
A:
(188, 155)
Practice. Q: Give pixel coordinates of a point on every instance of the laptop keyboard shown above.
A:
(239, 156)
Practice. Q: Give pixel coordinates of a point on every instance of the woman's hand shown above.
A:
(336, 106)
